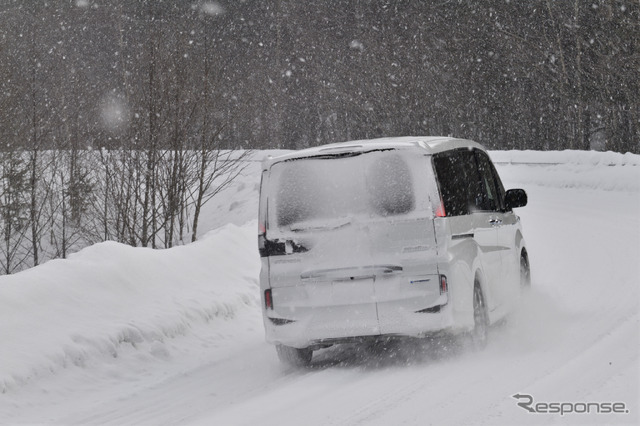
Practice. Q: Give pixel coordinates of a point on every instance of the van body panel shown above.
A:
(511, 243)
(489, 253)
(458, 262)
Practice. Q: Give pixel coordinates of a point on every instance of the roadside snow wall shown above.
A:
(110, 296)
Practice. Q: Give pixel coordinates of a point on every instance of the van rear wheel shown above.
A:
(480, 332)
(294, 356)
(525, 270)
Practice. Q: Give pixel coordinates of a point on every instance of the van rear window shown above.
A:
(312, 192)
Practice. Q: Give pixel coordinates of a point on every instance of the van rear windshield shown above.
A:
(330, 190)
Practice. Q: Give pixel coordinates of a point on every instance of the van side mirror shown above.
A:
(515, 198)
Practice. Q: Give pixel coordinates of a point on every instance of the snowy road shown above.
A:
(575, 338)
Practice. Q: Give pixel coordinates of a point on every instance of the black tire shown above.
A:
(293, 356)
(525, 271)
(480, 333)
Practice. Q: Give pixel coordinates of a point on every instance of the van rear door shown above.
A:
(356, 240)
(321, 274)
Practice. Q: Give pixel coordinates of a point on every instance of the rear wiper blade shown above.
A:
(343, 154)
(327, 156)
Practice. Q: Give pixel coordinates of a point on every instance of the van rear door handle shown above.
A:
(351, 273)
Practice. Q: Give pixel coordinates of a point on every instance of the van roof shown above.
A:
(430, 144)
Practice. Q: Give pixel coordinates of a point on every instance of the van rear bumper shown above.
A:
(325, 327)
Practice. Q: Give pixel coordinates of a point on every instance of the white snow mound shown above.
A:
(609, 171)
(108, 296)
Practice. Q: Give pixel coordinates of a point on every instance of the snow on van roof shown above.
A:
(431, 144)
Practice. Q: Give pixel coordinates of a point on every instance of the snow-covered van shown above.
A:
(403, 236)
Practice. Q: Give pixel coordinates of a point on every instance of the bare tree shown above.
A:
(14, 209)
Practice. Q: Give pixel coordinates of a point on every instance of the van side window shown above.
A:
(458, 178)
(488, 199)
(499, 187)
(493, 190)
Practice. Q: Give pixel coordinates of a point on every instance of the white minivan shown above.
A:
(410, 236)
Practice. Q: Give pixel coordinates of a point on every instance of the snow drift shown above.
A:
(570, 169)
(110, 295)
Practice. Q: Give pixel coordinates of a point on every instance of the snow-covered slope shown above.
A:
(111, 297)
(133, 336)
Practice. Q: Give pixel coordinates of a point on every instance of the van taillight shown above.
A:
(443, 284)
(268, 300)
(440, 212)
(262, 229)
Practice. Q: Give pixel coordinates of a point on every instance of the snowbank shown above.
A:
(609, 171)
(588, 158)
(111, 296)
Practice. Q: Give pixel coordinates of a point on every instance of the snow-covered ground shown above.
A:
(117, 335)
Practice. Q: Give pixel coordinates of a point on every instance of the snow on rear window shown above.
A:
(326, 190)
(390, 186)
